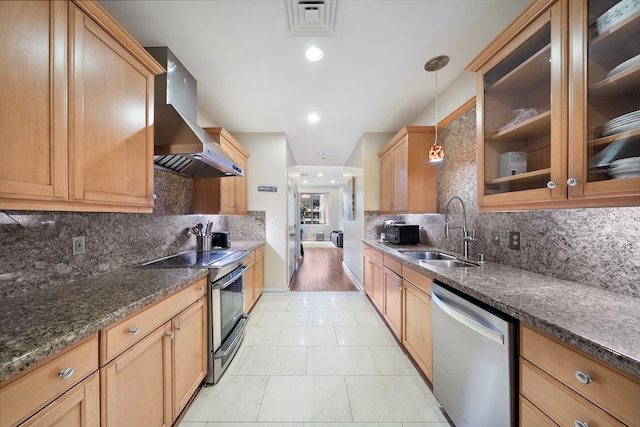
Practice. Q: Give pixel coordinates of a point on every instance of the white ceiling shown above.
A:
(253, 76)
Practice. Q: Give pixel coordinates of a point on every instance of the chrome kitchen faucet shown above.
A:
(466, 237)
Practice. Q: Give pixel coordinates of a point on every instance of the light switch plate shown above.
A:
(514, 240)
(495, 237)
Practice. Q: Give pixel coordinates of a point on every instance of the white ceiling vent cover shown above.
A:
(311, 17)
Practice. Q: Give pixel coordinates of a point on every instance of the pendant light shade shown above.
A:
(436, 153)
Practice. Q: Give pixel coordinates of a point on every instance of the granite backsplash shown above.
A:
(36, 249)
(598, 247)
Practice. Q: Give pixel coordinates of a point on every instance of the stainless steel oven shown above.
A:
(227, 321)
(226, 318)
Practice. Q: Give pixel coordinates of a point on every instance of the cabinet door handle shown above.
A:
(170, 335)
(66, 373)
(578, 423)
(583, 377)
(572, 182)
(154, 196)
(134, 330)
(179, 328)
(201, 288)
(552, 184)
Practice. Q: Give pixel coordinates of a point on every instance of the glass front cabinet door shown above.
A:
(605, 104)
(522, 122)
(558, 104)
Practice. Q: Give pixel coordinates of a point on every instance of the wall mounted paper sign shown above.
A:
(350, 199)
(269, 188)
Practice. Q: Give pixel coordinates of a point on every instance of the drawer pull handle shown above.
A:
(201, 288)
(170, 335)
(179, 328)
(578, 423)
(66, 373)
(583, 377)
(134, 331)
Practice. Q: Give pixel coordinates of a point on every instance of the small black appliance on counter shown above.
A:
(399, 233)
(220, 239)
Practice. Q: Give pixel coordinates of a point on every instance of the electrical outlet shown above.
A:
(514, 240)
(495, 237)
(78, 245)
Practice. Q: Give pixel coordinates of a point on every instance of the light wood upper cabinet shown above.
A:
(407, 179)
(111, 139)
(33, 110)
(76, 122)
(604, 73)
(547, 88)
(224, 195)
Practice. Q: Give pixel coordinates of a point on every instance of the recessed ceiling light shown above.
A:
(333, 181)
(320, 174)
(320, 153)
(314, 53)
(313, 117)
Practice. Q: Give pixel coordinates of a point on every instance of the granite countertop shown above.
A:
(37, 325)
(603, 324)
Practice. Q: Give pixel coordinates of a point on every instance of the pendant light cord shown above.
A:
(436, 123)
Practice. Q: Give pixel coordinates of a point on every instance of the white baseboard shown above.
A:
(353, 278)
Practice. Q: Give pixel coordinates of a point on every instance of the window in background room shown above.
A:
(313, 208)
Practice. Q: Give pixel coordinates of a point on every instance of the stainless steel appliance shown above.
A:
(474, 361)
(227, 320)
(180, 145)
(399, 233)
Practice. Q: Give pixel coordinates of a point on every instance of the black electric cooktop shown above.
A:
(197, 259)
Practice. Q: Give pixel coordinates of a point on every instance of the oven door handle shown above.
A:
(233, 344)
(232, 279)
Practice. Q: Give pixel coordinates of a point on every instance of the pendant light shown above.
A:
(436, 153)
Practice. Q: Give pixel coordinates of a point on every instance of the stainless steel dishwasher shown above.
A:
(474, 361)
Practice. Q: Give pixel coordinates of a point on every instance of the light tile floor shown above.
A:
(317, 359)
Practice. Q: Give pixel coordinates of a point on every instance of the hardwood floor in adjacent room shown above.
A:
(321, 270)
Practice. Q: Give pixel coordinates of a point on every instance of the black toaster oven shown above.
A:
(402, 234)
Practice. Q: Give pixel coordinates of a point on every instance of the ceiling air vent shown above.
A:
(311, 17)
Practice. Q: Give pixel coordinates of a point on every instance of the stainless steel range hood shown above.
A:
(180, 145)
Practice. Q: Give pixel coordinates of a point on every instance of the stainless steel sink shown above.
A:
(436, 258)
(428, 255)
(448, 263)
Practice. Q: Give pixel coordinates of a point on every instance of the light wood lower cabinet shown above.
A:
(56, 385)
(189, 346)
(417, 338)
(566, 385)
(253, 278)
(79, 407)
(393, 295)
(150, 382)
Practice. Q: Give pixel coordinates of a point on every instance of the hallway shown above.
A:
(321, 269)
(317, 359)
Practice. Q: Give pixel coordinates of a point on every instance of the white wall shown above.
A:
(364, 165)
(268, 166)
(459, 91)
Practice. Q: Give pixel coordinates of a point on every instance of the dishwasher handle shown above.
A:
(492, 334)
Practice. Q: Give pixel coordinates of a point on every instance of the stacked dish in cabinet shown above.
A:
(613, 96)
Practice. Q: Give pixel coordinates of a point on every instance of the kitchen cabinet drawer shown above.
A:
(393, 265)
(558, 402)
(118, 337)
(79, 407)
(530, 416)
(610, 389)
(418, 279)
(377, 256)
(259, 252)
(34, 389)
(366, 250)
